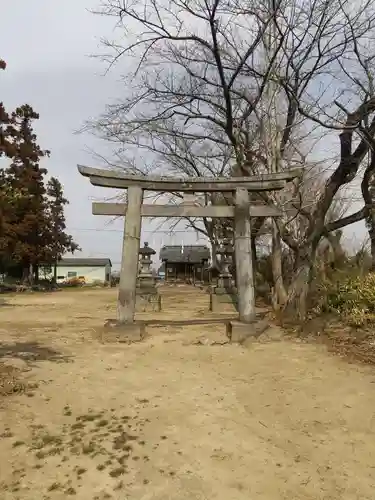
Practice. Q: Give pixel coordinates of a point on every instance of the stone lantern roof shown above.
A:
(226, 248)
(146, 250)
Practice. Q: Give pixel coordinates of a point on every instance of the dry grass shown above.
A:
(173, 419)
(353, 344)
(9, 380)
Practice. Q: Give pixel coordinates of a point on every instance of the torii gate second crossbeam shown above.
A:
(134, 210)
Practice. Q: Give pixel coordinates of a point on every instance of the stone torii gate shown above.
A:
(134, 210)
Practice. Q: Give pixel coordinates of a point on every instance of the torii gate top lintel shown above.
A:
(122, 180)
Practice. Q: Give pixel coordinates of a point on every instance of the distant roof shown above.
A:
(189, 253)
(84, 262)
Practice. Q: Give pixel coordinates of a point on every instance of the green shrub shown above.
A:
(353, 298)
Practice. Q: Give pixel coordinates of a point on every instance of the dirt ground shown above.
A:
(169, 419)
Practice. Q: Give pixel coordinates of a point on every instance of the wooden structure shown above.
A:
(134, 210)
(185, 263)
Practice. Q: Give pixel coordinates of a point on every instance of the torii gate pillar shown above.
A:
(130, 255)
(244, 258)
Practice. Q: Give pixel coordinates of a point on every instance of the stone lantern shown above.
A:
(225, 279)
(146, 280)
(225, 292)
(147, 292)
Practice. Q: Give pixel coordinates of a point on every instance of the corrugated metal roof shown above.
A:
(189, 253)
(68, 262)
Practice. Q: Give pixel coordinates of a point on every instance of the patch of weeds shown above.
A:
(143, 401)
(44, 440)
(78, 425)
(122, 459)
(105, 434)
(54, 487)
(90, 417)
(40, 455)
(18, 471)
(55, 451)
(38, 466)
(102, 423)
(108, 462)
(75, 450)
(142, 443)
(6, 434)
(37, 426)
(49, 439)
(146, 458)
(88, 448)
(119, 441)
(119, 471)
(163, 438)
(135, 458)
(64, 458)
(80, 471)
(146, 481)
(101, 467)
(119, 486)
(16, 444)
(70, 491)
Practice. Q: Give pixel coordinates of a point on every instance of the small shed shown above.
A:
(185, 263)
(89, 270)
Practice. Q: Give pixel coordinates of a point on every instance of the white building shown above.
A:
(89, 270)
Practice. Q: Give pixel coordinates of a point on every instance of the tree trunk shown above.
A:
(279, 295)
(27, 274)
(296, 304)
(36, 273)
(254, 254)
(372, 243)
(55, 272)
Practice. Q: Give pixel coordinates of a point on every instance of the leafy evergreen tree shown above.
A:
(32, 222)
(29, 223)
(60, 241)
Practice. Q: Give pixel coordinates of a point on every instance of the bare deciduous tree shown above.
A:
(221, 87)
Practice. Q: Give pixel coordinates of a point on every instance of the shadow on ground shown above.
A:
(32, 351)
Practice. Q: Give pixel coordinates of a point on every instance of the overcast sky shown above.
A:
(47, 45)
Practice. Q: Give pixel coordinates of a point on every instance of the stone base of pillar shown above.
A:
(239, 333)
(232, 290)
(127, 333)
(219, 300)
(147, 301)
